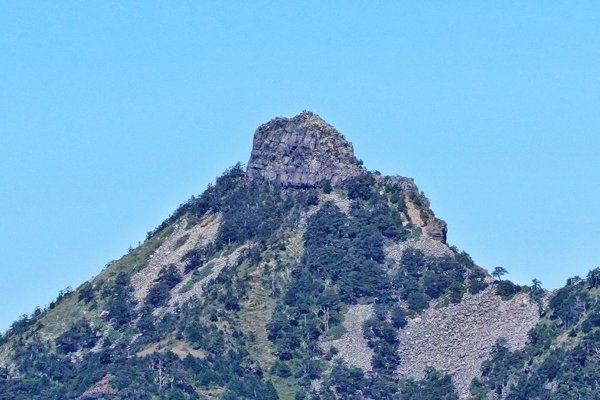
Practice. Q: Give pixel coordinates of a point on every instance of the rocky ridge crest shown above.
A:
(301, 151)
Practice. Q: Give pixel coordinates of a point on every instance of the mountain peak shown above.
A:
(301, 151)
(218, 298)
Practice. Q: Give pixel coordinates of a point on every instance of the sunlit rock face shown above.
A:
(302, 151)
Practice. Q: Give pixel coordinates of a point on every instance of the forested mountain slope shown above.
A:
(305, 276)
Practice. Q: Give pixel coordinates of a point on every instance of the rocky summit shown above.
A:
(301, 151)
(305, 276)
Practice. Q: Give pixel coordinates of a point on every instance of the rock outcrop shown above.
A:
(301, 151)
(419, 210)
(420, 215)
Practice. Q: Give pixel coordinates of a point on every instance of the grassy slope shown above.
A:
(53, 322)
(256, 312)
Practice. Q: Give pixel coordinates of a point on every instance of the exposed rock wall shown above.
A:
(436, 228)
(301, 151)
(458, 338)
(423, 217)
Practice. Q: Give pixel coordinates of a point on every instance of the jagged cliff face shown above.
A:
(301, 151)
(306, 151)
(296, 290)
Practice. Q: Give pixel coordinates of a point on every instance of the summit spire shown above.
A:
(301, 151)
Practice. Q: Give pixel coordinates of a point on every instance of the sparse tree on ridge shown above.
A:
(593, 278)
(499, 272)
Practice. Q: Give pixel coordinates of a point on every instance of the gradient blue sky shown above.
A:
(113, 113)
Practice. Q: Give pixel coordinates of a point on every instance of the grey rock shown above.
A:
(432, 226)
(353, 346)
(301, 151)
(458, 338)
(427, 245)
(435, 228)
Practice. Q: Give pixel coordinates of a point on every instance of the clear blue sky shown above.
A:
(113, 113)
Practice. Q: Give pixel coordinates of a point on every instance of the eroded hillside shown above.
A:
(302, 276)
